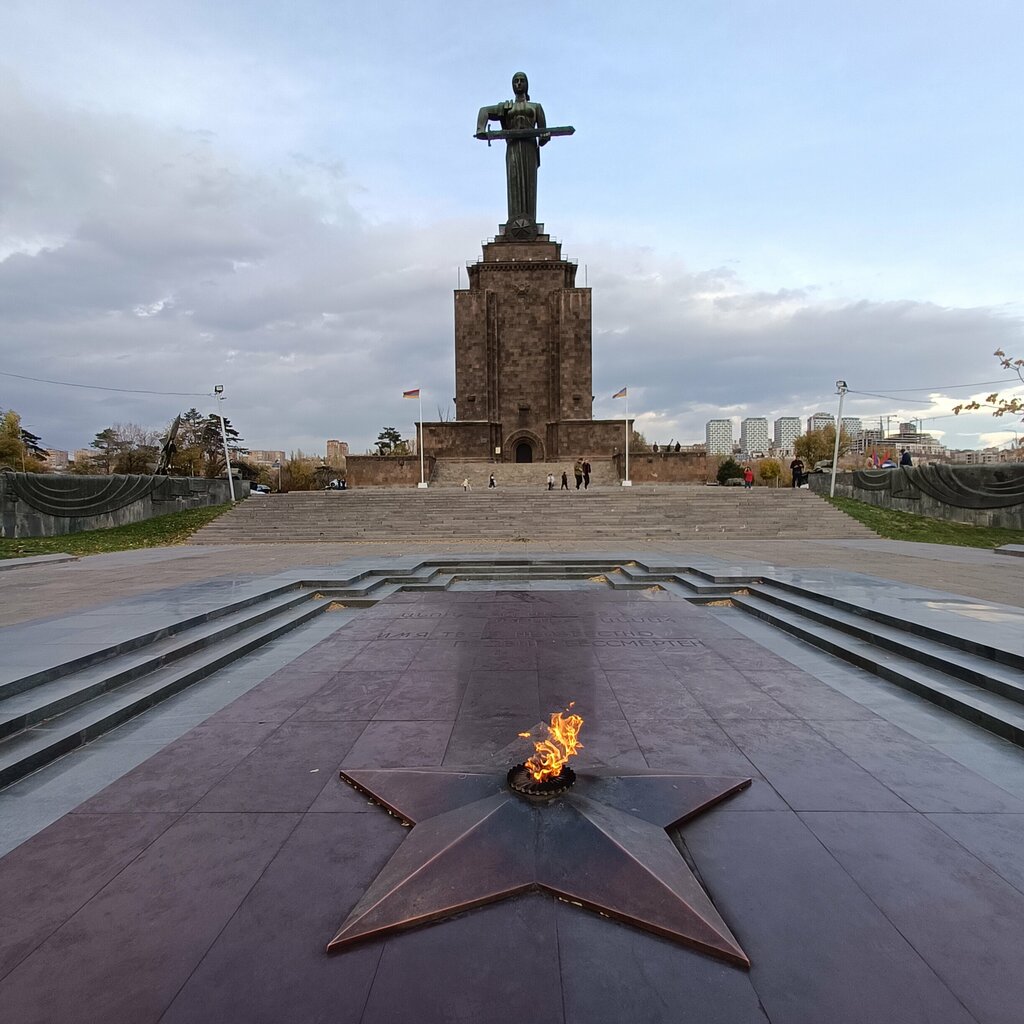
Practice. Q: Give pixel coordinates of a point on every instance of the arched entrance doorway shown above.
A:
(524, 451)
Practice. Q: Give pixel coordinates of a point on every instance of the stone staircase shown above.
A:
(530, 475)
(968, 678)
(65, 700)
(605, 514)
(49, 711)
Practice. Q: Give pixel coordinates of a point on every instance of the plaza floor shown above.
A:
(192, 865)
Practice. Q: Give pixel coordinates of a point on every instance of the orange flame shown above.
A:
(551, 754)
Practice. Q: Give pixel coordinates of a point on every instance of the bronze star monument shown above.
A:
(602, 845)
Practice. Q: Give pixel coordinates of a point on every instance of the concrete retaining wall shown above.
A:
(977, 495)
(52, 505)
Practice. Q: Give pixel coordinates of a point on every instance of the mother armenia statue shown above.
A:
(524, 129)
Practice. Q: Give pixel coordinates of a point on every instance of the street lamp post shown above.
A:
(218, 390)
(841, 389)
(277, 466)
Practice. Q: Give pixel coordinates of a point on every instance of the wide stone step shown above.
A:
(24, 703)
(613, 513)
(959, 656)
(45, 739)
(991, 711)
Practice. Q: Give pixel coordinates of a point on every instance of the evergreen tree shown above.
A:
(729, 469)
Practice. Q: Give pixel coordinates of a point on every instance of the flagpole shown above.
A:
(627, 482)
(419, 395)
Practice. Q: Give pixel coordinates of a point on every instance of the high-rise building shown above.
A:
(754, 437)
(56, 460)
(337, 453)
(718, 435)
(820, 420)
(787, 430)
(853, 427)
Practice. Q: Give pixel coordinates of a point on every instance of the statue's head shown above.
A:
(521, 85)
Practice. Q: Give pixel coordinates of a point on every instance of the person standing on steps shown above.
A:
(551, 481)
(565, 480)
(577, 471)
(466, 485)
(492, 482)
(796, 467)
(586, 475)
(748, 478)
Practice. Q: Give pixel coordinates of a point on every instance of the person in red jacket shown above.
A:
(748, 478)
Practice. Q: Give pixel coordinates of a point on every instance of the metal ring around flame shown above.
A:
(521, 781)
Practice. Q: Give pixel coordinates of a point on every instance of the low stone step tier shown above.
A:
(48, 711)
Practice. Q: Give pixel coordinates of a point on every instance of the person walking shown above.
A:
(577, 471)
(905, 459)
(748, 478)
(466, 485)
(551, 481)
(492, 482)
(796, 467)
(586, 475)
(565, 481)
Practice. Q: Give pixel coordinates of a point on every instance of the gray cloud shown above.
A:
(154, 259)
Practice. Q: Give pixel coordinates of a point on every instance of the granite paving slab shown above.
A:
(820, 949)
(995, 839)
(923, 880)
(205, 883)
(125, 954)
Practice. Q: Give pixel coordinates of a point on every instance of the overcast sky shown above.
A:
(276, 197)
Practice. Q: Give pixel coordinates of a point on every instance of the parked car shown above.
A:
(258, 489)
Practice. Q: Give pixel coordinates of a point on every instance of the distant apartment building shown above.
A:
(754, 439)
(57, 460)
(820, 420)
(83, 457)
(262, 457)
(986, 456)
(718, 437)
(852, 425)
(787, 430)
(337, 453)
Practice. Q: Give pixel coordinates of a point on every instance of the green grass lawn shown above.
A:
(895, 525)
(175, 528)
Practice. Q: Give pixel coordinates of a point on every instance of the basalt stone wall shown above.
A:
(386, 470)
(52, 505)
(465, 439)
(571, 439)
(979, 495)
(665, 467)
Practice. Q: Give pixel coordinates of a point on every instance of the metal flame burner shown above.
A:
(521, 781)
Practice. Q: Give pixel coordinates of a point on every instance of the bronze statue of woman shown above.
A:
(522, 155)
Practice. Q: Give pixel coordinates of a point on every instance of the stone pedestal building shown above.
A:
(523, 374)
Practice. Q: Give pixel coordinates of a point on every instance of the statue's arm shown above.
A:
(491, 113)
(542, 123)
